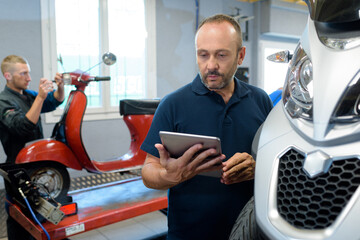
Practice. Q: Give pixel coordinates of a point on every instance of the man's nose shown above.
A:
(28, 77)
(212, 63)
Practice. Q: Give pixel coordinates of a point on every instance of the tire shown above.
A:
(245, 225)
(53, 176)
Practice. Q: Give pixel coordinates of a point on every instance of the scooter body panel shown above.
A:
(73, 123)
(48, 150)
(138, 126)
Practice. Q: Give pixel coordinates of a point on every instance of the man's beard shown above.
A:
(222, 85)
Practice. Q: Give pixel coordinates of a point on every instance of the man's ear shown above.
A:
(241, 55)
(7, 76)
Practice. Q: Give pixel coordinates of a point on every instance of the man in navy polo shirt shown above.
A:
(217, 104)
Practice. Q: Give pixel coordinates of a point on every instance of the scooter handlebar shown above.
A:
(81, 79)
(102, 78)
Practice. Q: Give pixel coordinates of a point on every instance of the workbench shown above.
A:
(97, 207)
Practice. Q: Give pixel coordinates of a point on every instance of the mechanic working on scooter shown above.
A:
(20, 120)
(217, 104)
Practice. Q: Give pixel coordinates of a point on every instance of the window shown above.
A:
(273, 73)
(80, 34)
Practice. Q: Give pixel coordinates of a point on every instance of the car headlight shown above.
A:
(298, 89)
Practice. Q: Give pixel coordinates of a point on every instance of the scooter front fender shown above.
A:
(48, 150)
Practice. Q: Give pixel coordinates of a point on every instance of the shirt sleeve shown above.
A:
(162, 121)
(268, 103)
(265, 102)
(50, 103)
(14, 119)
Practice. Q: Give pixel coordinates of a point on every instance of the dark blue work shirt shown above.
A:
(202, 207)
(15, 128)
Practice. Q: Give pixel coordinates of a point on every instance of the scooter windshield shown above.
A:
(333, 11)
(337, 22)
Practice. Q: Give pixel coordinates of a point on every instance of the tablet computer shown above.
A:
(177, 143)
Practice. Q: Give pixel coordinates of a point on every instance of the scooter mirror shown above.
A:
(109, 58)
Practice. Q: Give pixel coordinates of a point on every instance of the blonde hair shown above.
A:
(219, 18)
(8, 62)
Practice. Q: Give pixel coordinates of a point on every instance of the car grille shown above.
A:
(314, 203)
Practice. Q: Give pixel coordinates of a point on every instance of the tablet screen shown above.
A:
(177, 143)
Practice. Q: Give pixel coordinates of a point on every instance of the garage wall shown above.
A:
(176, 63)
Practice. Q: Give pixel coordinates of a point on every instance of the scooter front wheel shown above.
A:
(245, 227)
(52, 179)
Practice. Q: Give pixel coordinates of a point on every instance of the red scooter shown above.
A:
(46, 160)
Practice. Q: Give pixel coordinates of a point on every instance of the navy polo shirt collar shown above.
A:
(241, 90)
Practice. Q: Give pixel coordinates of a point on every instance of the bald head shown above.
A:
(222, 18)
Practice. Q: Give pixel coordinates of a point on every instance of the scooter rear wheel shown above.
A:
(52, 179)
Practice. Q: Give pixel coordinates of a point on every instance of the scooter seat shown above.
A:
(138, 106)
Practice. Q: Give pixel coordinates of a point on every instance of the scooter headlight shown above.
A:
(298, 88)
(348, 108)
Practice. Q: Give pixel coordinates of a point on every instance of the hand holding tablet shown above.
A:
(177, 143)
